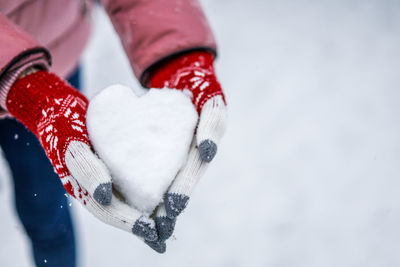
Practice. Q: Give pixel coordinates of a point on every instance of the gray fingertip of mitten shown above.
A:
(175, 204)
(103, 194)
(207, 150)
(165, 227)
(145, 228)
(158, 246)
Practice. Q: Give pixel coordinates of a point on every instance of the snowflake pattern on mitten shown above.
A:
(193, 73)
(55, 113)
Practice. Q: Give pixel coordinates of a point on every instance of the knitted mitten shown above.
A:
(55, 112)
(194, 73)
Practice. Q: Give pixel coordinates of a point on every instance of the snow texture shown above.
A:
(307, 174)
(144, 141)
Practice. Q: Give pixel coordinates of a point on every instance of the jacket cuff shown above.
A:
(11, 75)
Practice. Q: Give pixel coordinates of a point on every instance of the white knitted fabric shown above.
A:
(212, 125)
(91, 172)
(85, 166)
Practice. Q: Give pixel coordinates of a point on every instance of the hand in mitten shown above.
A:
(55, 112)
(192, 72)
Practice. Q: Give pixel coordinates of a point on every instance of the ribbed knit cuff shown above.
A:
(12, 75)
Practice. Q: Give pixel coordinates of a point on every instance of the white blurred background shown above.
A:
(308, 172)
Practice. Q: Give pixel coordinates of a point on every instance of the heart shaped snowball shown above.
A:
(144, 141)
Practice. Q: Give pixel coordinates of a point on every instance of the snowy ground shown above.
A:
(308, 173)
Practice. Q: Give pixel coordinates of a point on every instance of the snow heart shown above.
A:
(144, 141)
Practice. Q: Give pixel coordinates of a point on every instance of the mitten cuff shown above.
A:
(163, 72)
(12, 75)
(29, 96)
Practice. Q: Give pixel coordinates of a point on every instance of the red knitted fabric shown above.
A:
(55, 112)
(193, 71)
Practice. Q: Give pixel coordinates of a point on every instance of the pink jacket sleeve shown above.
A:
(151, 30)
(18, 50)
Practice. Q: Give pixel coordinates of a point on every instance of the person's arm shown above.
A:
(153, 30)
(55, 112)
(170, 44)
(192, 72)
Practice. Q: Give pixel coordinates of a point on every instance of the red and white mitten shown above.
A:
(192, 72)
(55, 112)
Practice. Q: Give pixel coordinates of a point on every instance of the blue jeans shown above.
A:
(39, 196)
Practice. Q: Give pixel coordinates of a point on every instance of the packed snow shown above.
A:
(144, 141)
(308, 171)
